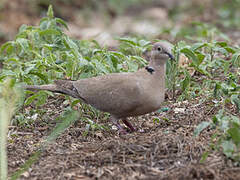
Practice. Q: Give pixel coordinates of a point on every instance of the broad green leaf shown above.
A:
(221, 50)
(23, 43)
(234, 132)
(43, 19)
(30, 99)
(132, 67)
(44, 23)
(228, 148)
(23, 28)
(200, 57)
(49, 32)
(235, 119)
(224, 123)
(230, 50)
(42, 98)
(5, 46)
(203, 125)
(191, 55)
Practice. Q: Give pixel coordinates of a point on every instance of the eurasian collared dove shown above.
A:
(121, 94)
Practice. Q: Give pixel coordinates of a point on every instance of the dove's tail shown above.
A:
(59, 86)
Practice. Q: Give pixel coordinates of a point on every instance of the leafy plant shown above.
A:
(41, 54)
(226, 91)
(227, 134)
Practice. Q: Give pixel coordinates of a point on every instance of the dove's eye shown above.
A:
(159, 49)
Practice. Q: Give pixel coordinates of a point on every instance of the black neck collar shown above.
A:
(149, 69)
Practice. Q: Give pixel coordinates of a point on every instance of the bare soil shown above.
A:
(162, 150)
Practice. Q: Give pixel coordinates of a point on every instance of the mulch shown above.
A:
(159, 150)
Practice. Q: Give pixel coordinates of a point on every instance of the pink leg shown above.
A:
(116, 123)
(129, 125)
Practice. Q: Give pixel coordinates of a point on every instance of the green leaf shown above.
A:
(144, 43)
(49, 32)
(100, 66)
(203, 125)
(222, 43)
(221, 50)
(67, 118)
(23, 43)
(114, 60)
(44, 23)
(118, 54)
(234, 132)
(43, 20)
(186, 81)
(50, 12)
(75, 102)
(128, 40)
(191, 55)
(139, 60)
(197, 46)
(200, 57)
(132, 66)
(230, 50)
(216, 89)
(42, 98)
(228, 148)
(156, 120)
(224, 123)
(5, 45)
(11, 60)
(235, 59)
(40, 75)
(23, 28)
(204, 157)
(62, 22)
(30, 99)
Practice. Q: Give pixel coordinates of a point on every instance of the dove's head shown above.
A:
(162, 51)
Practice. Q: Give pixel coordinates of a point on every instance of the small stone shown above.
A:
(179, 110)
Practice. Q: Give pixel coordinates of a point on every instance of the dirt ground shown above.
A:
(162, 150)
